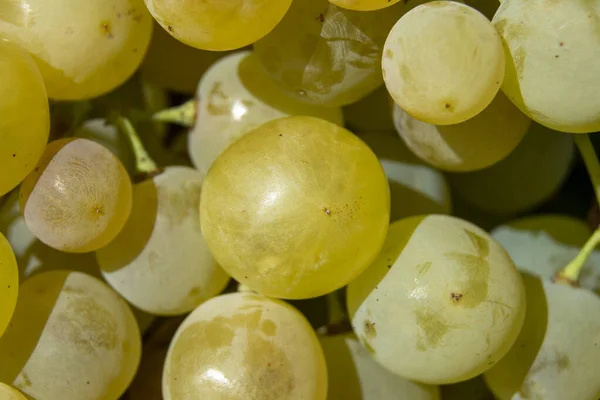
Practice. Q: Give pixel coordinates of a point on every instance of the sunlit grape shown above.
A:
(9, 283)
(9, 393)
(373, 113)
(295, 208)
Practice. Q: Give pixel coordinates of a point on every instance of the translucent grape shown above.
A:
(94, 48)
(159, 261)
(218, 24)
(364, 5)
(78, 197)
(9, 287)
(71, 337)
(245, 346)
(25, 122)
(455, 89)
(9, 393)
(325, 54)
(295, 208)
(235, 96)
(474, 144)
(373, 113)
(442, 303)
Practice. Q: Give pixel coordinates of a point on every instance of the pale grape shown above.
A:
(9, 283)
(528, 176)
(552, 61)
(325, 54)
(78, 197)
(295, 208)
(9, 393)
(471, 145)
(159, 261)
(25, 122)
(373, 113)
(218, 24)
(364, 5)
(245, 346)
(443, 62)
(442, 303)
(83, 49)
(71, 337)
(235, 96)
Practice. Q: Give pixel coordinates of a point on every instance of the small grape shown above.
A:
(9, 393)
(9, 283)
(364, 5)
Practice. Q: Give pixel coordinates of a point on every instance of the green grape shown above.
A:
(556, 354)
(442, 303)
(235, 96)
(245, 346)
(325, 54)
(471, 145)
(9, 393)
(552, 61)
(459, 87)
(528, 176)
(473, 389)
(83, 49)
(295, 208)
(71, 337)
(159, 261)
(355, 375)
(373, 113)
(25, 122)
(78, 197)
(364, 5)
(9, 287)
(218, 24)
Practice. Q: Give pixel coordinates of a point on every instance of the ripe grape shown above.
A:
(373, 113)
(25, 122)
(474, 144)
(443, 62)
(442, 303)
(364, 5)
(70, 337)
(295, 208)
(78, 197)
(245, 346)
(9, 283)
(9, 393)
(235, 96)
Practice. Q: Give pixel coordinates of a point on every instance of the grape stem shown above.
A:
(338, 320)
(570, 274)
(584, 144)
(144, 164)
(184, 114)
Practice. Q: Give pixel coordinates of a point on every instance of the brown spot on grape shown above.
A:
(327, 211)
(561, 44)
(170, 28)
(106, 29)
(563, 362)
(369, 329)
(218, 102)
(321, 18)
(449, 106)
(456, 297)
(26, 379)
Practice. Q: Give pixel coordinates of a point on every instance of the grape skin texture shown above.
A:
(9, 393)
(295, 208)
(84, 328)
(245, 346)
(218, 24)
(452, 302)
(9, 289)
(96, 46)
(460, 87)
(25, 122)
(364, 5)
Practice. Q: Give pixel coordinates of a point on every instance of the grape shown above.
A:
(160, 262)
(455, 89)
(442, 303)
(327, 55)
(71, 337)
(552, 62)
(9, 393)
(531, 174)
(78, 197)
(556, 354)
(25, 122)
(245, 346)
(355, 375)
(373, 113)
(9, 287)
(235, 96)
(364, 5)
(295, 208)
(83, 49)
(218, 24)
(474, 144)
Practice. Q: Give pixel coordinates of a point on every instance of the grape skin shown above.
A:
(9, 393)
(364, 5)
(9, 276)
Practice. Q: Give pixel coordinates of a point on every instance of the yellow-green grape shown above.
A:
(471, 145)
(218, 24)
(295, 208)
(552, 62)
(455, 89)
(473, 389)
(97, 45)
(556, 354)
(78, 197)
(355, 375)
(159, 261)
(442, 303)
(71, 337)
(325, 54)
(364, 5)
(528, 176)
(25, 122)
(373, 113)
(245, 346)
(9, 283)
(235, 96)
(10, 393)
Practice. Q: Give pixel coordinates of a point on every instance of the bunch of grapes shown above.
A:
(299, 200)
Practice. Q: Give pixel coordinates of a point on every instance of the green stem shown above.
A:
(184, 114)
(570, 274)
(586, 149)
(338, 320)
(144, 164)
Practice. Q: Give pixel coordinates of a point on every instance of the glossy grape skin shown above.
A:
(364, 5)
(25, 122)
(9, 277)
(9, 393)
(295, 208)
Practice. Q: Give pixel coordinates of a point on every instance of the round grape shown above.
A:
(9, 283)
(9, 393)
